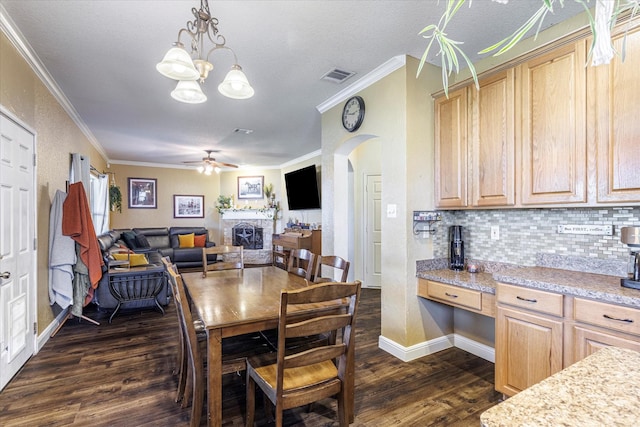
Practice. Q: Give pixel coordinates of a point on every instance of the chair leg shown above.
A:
(188, 391)
(279, 414)
(198, 402)
(342, 409)
(251, 401)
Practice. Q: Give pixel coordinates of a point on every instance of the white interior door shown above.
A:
(373, 232)
(17, 248)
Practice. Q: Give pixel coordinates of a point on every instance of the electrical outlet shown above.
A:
(495, 232)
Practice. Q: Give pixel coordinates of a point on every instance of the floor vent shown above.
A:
(336, 75)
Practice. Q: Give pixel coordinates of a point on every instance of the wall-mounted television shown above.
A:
(302, 188)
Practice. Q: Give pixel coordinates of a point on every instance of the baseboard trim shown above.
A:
(476, 348)
(407, 354)
(46, 334)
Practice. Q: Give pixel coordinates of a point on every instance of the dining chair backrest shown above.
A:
(304, 375)
(334, 261)
(195, 357)
(233, 258)
(302, 263)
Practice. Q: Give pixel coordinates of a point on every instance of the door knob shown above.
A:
(5, 275)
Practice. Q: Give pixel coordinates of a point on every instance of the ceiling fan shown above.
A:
(209, 164)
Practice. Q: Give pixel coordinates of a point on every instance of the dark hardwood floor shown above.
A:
(120, 374)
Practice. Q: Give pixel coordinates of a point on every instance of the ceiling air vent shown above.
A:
(336, 75)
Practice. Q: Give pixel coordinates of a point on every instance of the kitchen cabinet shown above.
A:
(451, 150)
(529, 337)
(614, 123)
(492, 135)
(552, 91)
(599, 324)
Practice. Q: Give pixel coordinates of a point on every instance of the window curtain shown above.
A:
(100, 203)
(80, 171)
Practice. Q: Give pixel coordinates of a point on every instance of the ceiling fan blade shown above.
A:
(227, 164)
(193, 161)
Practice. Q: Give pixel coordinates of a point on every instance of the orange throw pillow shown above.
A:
(186, 240)
(199, 240)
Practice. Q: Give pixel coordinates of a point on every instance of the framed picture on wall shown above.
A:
(142, 193)
(250, 187)
(188, 206)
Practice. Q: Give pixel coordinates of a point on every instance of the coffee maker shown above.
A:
(630, 236)
(456, 248)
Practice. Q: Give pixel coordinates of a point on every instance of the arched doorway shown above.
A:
(356, 213)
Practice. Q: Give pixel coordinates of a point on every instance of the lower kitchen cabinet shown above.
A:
(528, 349)
(598, 324)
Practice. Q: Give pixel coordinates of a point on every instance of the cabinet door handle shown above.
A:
(527, 299)
(451, 295)
(606, 316)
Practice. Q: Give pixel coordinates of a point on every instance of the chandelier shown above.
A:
(179, 65)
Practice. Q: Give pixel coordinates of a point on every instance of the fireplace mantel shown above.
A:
(262, 214)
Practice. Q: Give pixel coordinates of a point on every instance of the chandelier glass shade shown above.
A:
(187, 68)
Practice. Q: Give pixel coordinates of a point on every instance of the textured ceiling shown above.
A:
(102, 55)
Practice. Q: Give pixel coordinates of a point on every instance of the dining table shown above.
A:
(236, 302)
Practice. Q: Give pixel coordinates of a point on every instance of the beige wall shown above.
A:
(169, 182)
(399, 114)
(25, 96)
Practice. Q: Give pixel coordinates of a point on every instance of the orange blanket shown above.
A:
(77, 223)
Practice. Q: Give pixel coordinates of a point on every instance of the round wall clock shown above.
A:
(353, 113)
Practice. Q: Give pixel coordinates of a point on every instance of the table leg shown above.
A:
(214, 377)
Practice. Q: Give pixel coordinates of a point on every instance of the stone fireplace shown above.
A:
(252, 228)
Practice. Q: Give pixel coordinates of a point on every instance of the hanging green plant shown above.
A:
(115, 198)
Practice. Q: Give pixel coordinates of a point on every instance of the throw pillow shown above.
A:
(129, 238)
(142, 241)
(134, 259)
(186, 240)
(199, 240)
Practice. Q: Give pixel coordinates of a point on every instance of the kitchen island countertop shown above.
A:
(600, 390)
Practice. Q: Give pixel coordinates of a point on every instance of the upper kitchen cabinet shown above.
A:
(552, 129)
(614, 122)
(451, 150)
(492, 153)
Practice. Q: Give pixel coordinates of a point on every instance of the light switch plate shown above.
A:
(392, 211)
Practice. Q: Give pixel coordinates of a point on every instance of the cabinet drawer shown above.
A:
(611, 316)
(531, 299)
(455, 295)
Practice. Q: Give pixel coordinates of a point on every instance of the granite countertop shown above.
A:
(599, 287)
(600, 390)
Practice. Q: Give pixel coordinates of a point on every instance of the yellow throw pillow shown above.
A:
(186, 240)
(134, 259)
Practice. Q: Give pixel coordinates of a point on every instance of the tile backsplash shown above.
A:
(525, 233)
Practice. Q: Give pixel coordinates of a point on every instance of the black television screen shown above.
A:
(302, 189)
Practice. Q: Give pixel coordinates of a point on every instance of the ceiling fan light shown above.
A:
(200, 169)
(236, 85)
(177, 65)
(208, 169)
(188, 91)
(217, 169)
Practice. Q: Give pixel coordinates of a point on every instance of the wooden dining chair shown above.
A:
(333, 261)
(233, 258)
(305, 375)
(301, 263)
(235, 350)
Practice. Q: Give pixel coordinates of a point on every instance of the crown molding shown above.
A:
(17, 39)
(367, 80)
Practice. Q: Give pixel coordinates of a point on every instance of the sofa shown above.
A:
(167, 242)
(155, 243)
